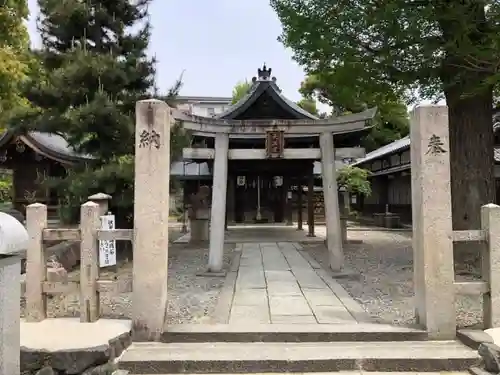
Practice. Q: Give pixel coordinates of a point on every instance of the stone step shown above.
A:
(257, 357)
(123, 372)
(290, 333)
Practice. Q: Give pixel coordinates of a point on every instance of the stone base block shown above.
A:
(199, 230)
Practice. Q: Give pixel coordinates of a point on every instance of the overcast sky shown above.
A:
(216, 43)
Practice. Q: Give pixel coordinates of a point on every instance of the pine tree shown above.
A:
(96, 70)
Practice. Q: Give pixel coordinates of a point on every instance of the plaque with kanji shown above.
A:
(275, 144)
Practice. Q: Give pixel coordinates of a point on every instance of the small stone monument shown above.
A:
(199, 215)
(13, 241)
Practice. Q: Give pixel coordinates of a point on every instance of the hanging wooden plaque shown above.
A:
(275, 144)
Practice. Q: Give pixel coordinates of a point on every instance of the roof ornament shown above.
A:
(264, 74)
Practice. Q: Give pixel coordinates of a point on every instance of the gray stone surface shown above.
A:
(384, 281)
(72, 347)
(275, 284)
(220, 357)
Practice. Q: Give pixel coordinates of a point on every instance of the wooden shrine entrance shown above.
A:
(259, 190)
(259, 199)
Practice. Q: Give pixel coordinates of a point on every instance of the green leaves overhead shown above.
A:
(14, 56)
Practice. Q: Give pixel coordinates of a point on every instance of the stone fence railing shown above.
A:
(489, 285)
(89, 285)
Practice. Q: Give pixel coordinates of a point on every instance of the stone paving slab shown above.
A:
(276, 284)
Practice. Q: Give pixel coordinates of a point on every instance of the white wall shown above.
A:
(204, 109)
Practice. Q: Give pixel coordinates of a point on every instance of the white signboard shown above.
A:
(107, 249)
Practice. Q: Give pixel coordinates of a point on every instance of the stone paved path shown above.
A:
(275, 284)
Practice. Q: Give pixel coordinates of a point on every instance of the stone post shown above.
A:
(151, 209)
(330, 192)
(102, 200)
(90, 223)
(36, 300)
(218, 211)
(490, 262)
(432, 226)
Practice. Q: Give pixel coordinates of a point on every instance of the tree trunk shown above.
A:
(470, 100)
(472, 167)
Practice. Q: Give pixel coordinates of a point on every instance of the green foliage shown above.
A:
(240, 90)
(354, 180)
(412, 49)
(5, 188)
(399, 43)
(345, 92)
(14, 56)
(94, 68)
(309, 105)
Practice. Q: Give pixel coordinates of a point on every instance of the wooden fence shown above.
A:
(489, 285)
(89, 285)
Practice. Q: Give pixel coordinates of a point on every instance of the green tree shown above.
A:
(14, 56)
(96, 68)
(436, 48)
(337, 88)
(309, 105)
(240, 90)
(354, 180)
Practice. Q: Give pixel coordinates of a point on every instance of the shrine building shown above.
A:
(260, 155)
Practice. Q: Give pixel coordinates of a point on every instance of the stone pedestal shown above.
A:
(392, 221)
(199, 230)
(387, 220)
(432, 226)
(151, 208)
(200, 227)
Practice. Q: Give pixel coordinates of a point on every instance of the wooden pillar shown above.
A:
(289, 201)
(230, 200)
(299, 204)
(310, 204)
(218, 211)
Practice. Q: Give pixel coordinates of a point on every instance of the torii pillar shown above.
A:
(330, 192)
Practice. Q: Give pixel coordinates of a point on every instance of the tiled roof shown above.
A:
(393, 147)
(52, 145)
(399, 145)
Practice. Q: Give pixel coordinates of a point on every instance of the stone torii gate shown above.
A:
(154, 120)
(222, 130)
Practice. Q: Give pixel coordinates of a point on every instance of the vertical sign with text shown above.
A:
(107, 249)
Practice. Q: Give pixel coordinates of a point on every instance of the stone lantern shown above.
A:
(13, 244)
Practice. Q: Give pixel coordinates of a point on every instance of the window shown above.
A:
(211, 111)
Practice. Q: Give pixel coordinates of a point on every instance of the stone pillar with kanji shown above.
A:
(151, 211)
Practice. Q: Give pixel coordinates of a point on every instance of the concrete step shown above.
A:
(290, 333)
(258, 357)
(122, 372)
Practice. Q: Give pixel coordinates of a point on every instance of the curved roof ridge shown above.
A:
(54, 146)
(261, 84)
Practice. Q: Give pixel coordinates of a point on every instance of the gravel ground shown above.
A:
(191, 298)
(383, 281)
